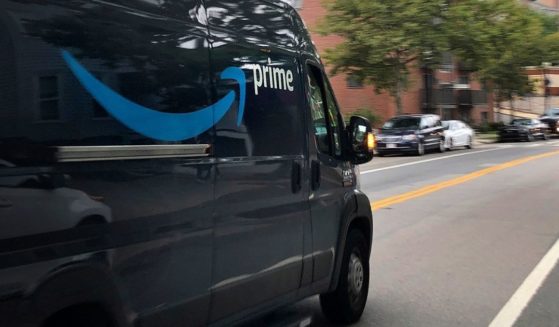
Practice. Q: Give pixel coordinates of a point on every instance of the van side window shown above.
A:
(335, 122)
(318, 115)
(325, 115)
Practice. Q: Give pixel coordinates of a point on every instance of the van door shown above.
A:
(261, 197)
(327, 172)
(94, 150)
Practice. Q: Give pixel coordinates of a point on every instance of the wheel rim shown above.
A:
(441, 145)
(355, 277)
(420, 148)
(451, 144)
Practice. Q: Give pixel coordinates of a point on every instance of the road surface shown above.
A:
(464, 238)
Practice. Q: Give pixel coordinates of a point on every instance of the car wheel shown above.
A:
(442, 148)
(82, 316)
(545, 136)
(470, 144)
(530, 137)
(345, 305)
(420, 149)
(450, 144)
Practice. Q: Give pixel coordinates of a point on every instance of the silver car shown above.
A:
(458, 134)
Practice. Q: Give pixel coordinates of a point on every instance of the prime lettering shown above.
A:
(272, 77)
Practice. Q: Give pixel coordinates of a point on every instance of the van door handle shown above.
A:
(4, 203)
(315, 175)
(296, 177)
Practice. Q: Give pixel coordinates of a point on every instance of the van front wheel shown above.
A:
(345, 305)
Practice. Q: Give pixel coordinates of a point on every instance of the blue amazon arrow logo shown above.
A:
(154, 124)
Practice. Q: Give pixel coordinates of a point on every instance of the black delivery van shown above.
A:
(173, 163)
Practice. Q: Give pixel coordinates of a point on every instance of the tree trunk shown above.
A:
(399, 106)
(398, 97)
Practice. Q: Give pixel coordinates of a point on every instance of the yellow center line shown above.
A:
(387, 202)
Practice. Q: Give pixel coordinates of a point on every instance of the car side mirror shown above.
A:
(361, 139)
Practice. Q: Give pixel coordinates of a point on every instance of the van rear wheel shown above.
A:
(345, 305)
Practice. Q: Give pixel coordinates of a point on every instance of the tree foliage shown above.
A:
(384, 39)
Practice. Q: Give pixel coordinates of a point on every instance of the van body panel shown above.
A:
(258, 203)
(98, 205)
(156, 214)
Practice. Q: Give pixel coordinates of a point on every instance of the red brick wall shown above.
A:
(547, 3)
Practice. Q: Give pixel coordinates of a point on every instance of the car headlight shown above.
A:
(411, 137)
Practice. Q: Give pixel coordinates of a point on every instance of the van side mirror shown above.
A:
(361, 140)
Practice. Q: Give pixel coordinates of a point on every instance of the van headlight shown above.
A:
(411, 137)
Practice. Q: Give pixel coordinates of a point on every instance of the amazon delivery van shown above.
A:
(173, 163)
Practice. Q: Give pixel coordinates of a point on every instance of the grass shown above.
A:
(487, 136)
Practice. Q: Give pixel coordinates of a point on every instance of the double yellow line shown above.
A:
(387, 202)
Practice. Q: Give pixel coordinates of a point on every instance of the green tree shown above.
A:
(497, 39)
(384, 39)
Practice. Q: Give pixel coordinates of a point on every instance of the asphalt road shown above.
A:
(482, 229)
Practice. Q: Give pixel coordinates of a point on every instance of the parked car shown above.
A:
(208, 133)
(524, 130)
(411, 134)
(551, 118)
(457, 133)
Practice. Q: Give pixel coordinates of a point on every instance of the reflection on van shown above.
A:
(104, 224)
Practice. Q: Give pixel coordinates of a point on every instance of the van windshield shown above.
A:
(402, 122)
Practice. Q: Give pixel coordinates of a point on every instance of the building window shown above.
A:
(447, 63)
(464, 79)
(484, 117)
(49, 98)
(98, 111)
(353, 82)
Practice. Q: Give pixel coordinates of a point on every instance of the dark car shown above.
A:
(173, 163)
(412, 134)
(551, 118)
(524, 130)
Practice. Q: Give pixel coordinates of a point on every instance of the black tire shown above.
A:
(420, 149)
(442, 148)
(450, 144)
(470, 144)
(345, 305)
(83, 316)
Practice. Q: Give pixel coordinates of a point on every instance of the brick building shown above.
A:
(551, 6)
(450, 91)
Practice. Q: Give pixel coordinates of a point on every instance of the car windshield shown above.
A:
(521, 122)
(402, 122)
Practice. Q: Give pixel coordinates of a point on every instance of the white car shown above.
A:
(61, 207)
(458, 133)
